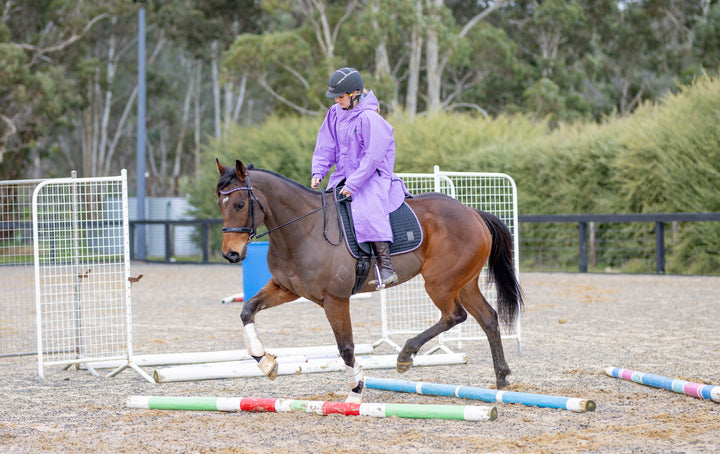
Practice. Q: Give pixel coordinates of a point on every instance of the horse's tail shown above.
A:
(502, 269)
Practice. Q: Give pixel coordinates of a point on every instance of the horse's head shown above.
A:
(241, 210)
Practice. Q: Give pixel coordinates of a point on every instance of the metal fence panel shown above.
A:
(406, 308)
(17, 298)
(82, 287)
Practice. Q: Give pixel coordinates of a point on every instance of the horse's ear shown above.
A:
(220, 167)
(240, 169)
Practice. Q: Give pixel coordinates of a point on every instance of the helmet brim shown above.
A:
(333, 94)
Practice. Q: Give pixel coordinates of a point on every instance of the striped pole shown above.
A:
(698, 390)
(486, 395)
(416, 411)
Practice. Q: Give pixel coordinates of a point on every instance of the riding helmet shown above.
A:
(344, 80)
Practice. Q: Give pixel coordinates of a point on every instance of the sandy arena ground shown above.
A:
(572, 328)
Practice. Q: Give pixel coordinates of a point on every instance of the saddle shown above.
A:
(407, 236)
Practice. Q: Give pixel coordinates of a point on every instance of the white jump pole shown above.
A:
(294, 365)
(166, 359)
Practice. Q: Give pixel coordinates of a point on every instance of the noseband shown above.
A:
(251, 226)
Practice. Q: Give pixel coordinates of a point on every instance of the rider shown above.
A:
(360, 144)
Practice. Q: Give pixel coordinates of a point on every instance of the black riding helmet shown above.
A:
(344, 80)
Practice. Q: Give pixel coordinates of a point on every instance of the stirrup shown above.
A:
(380, 283)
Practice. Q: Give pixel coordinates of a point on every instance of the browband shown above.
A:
(241, 188)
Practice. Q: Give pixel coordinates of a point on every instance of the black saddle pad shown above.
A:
(407, 232)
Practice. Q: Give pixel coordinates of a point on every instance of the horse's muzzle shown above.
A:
(233, 256)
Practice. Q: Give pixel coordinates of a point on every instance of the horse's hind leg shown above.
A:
(337, 312)
(452, 314)
(475, 303)
(270, 295)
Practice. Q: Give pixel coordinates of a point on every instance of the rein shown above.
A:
(253, 230)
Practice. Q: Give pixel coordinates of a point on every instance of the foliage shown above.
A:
(664, 158)
(282, 144)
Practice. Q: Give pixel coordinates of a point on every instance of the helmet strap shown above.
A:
(354, 100)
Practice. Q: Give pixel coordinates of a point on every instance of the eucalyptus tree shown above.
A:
(439, 51)
(706, 37)
(298, 50)
(37, 91)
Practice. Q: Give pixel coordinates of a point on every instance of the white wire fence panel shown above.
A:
(82, 270)
(17, 296)
(407, 309)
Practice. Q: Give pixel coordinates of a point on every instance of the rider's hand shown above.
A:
(315, 182)
(345, 192)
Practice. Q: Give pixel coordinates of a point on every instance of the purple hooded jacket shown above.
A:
(361, 146)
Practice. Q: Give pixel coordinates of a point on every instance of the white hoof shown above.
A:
(269, 366)
(354, 398)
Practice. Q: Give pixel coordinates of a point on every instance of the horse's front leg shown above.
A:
(337, 312)
(270, 295)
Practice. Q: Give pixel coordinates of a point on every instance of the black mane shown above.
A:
(228, 177)
(288, 180)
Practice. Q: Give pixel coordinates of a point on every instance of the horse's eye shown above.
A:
(240, 205)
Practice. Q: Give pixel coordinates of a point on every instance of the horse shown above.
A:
(457, 243)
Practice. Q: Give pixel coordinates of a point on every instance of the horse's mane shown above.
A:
(286, 179)
(229, 176)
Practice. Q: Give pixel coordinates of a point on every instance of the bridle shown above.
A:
(251, 227)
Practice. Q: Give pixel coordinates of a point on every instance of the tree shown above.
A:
(438, 25)
(36, 92)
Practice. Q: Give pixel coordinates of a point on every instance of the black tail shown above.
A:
(509, 292)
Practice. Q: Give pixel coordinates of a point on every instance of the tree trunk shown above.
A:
(198, 81)
(240, 99)
(104, 124)
(432, 57)
(214, 57)
(181, 137)
(325, 34)
(382, 61)
(416, 43)
(120, 130)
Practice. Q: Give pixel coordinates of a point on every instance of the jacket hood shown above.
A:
(367, 102)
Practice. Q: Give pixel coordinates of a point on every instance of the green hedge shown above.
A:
(663, 158)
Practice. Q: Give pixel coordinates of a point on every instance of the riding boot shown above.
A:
(382, 255)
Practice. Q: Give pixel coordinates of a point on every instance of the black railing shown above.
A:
(583, 220)
(202, 237)
(581, 251)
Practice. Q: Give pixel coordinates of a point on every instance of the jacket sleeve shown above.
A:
(377, 139)
(325, 154)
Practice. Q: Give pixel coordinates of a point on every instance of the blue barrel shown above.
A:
(255, 270)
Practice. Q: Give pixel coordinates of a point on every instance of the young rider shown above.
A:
(360, 144)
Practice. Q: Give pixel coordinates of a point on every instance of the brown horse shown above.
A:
(457, 243)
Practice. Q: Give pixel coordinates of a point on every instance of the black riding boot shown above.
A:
(382, 255)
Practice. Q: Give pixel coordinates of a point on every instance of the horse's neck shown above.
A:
(284, 201)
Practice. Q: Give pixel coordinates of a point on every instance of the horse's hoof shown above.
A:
(403, 366)
(273, 373)
(269, 366)
(354, 398)
(502, 382)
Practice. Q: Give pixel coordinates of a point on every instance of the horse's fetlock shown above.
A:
(347, 353)
(247, 315)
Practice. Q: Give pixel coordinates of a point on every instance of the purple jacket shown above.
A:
(361, 146)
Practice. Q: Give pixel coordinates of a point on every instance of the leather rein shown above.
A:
(251, 227)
